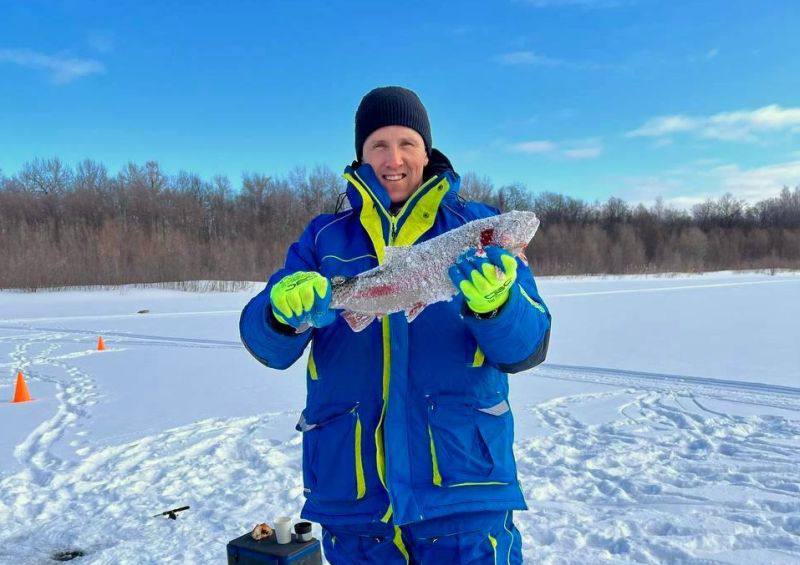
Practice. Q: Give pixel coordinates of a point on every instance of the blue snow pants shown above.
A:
(477, 537)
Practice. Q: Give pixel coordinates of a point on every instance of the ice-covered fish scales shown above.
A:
(412, 277)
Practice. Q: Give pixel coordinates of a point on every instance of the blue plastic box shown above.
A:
(245, 550)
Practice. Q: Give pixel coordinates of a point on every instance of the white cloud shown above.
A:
(647, 188)
(685, 202)
(583, 153)
(574, 150)
(534, 147)
(741, 125)
(664, 125)
(529, 58)
(702, 179)
(760, 182)
(706, 162)
(534, 59)
(662, 142)
(62, 69)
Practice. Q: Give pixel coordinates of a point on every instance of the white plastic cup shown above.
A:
(283, 529)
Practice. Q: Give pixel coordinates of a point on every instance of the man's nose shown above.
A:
(393, 157)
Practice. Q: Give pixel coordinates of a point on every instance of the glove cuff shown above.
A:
(277, 324)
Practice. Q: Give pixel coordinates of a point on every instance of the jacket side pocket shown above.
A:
(333, 468)
(471, 442)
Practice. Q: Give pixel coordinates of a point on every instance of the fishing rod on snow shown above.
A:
(172, 514)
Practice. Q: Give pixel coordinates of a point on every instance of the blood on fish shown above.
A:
(380, 290)
(486, 236)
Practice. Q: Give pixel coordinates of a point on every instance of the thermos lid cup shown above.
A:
(303, 531)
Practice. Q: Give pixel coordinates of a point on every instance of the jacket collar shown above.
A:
(371, 203)
(438, 169)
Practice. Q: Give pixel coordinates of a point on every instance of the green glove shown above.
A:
(301, 298)
(484, 281)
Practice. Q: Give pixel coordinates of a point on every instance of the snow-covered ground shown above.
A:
(665, 426)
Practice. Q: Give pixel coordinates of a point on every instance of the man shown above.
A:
(407, 430)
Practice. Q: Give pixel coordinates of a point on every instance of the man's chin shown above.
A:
(397, 194)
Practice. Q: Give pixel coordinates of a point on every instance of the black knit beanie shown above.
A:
(391, 106)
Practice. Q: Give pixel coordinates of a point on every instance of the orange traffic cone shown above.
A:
(21, 393)
(101, 345)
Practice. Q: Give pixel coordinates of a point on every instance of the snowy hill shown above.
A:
(665, 426)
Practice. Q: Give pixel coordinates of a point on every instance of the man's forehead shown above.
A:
(391, 133)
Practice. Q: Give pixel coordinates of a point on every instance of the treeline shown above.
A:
(577, 237)
(63, 226)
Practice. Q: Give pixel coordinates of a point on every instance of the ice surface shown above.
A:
(665, 426)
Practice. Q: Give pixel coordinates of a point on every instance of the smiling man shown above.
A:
(407, 429)
(398, 155)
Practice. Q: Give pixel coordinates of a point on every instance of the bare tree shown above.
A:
(64, 227)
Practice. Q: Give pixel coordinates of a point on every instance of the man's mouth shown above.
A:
(399, 176)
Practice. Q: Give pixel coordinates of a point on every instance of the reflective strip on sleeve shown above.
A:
(535, 304)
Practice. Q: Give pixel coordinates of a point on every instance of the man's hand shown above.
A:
(484, 281)
(302, 298)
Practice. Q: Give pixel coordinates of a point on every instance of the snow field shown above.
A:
(667, 437)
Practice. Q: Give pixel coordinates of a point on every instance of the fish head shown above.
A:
(511, 230)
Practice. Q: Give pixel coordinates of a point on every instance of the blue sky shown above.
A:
(591, 98)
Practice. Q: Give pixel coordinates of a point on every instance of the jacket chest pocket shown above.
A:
(333, 468)
(471, 444)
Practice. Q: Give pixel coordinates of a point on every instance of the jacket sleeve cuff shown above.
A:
(274, 346)
(516, 338)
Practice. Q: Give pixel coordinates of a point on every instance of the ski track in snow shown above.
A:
(102, 501)
(668, 480)
(761, 394)
(669, 288)
(126, 338)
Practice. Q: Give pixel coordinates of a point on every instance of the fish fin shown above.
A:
(415, 311)
(523, 257)
(357, 321)
(395, 253)
(303, 327)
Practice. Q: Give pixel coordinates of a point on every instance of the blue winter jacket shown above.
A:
(403, 421)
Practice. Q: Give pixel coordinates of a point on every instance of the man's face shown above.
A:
(397, 154)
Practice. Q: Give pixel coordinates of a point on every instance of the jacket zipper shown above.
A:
(393, 219)
(392, 235)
